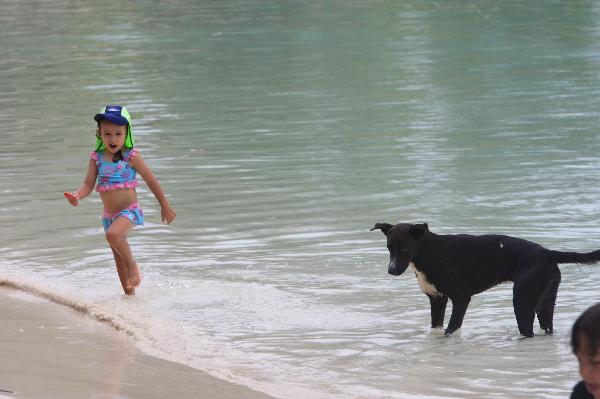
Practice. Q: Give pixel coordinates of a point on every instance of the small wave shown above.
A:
(92, 310)
(150, 338)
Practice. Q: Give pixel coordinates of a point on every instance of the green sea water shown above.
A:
(282, 131)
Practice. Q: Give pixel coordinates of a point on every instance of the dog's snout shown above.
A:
(392, 269)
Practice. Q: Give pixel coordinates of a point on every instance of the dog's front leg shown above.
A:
(438, 309)
(459, 308)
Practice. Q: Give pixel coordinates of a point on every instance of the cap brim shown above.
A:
(116, 119)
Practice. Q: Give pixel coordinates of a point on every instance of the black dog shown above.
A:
(460, 266)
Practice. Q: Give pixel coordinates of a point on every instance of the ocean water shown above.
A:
(282, 131)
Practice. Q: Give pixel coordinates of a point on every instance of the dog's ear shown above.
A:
(416, 231)
(384, 227)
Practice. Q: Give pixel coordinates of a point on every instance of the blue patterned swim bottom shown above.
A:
(133, 212)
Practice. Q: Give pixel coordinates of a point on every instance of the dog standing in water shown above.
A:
(460, 266)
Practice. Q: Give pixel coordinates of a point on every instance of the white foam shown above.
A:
(173, 342)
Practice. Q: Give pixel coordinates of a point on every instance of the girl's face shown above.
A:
(113, 136)
(589, 366)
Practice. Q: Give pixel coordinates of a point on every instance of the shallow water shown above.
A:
(282, 131)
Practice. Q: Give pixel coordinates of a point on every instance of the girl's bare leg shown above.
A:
(128, 271)
(135, 277)
(122, 272)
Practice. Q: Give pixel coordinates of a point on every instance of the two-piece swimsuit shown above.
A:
(115, 176)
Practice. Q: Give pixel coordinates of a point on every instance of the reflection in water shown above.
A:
(112, 369)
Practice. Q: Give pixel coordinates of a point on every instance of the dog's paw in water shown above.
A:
(437, 331)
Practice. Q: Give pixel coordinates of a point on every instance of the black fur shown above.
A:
(460, 266)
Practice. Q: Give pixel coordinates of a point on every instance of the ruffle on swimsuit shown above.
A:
(115, 175)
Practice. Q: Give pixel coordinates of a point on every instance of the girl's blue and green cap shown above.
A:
(119, 116)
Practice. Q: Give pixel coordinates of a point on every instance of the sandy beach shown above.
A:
(49, 351)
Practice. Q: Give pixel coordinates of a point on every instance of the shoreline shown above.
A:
(51, 351)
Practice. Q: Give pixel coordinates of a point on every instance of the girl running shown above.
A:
(112, 169)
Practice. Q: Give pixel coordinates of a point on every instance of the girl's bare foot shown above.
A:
(129, 290)
(135, 278)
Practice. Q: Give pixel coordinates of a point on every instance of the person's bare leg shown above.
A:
(122, 272)
(126, 266)
(135, 275)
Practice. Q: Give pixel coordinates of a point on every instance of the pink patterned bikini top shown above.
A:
(115, 175)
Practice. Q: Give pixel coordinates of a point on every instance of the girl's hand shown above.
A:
(168, 214)
(72, 198)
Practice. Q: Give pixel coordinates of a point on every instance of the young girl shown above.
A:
(114, 165)
(585, 342)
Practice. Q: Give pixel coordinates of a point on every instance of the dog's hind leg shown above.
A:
(545, 309)
(459, 308)
(527, 294)
(438, 309)
(525, 314)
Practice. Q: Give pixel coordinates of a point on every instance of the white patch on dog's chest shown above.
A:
(426, 286)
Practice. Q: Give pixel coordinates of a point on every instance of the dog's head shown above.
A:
(403, 242)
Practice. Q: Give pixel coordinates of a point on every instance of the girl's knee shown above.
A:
(115, 237)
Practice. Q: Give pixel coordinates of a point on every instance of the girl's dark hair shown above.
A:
(588, 325)
(118, 156)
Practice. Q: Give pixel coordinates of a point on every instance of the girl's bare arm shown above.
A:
(167, 213)
(88, 184)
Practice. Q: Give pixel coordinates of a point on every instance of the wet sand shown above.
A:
(49, 351)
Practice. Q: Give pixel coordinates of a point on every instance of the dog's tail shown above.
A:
(574, 257)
